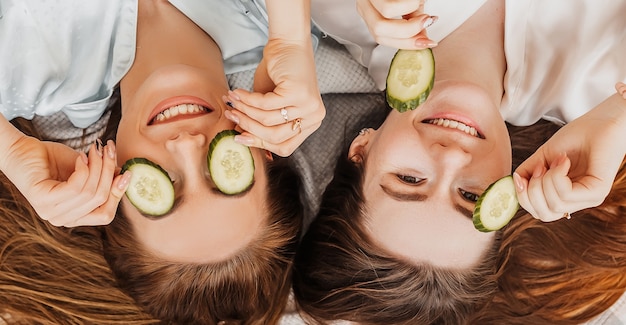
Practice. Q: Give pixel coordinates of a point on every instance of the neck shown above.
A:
(474, 53)
(165, 36)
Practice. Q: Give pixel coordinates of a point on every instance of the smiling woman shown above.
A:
(392, 242)
(211, 257)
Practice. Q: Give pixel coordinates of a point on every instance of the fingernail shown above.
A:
(429, 21)
(245, 140)
(111, 149)
(425, 42)
(227, 101)
(229, 115)
(518, 182)
(125, 180)
(232, 95)
(99, 146)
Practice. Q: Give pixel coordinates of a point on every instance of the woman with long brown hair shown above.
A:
(394, 240)
(214, 257)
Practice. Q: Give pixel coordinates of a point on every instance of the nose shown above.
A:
(186, 143)
(450, 155)
(188, 148)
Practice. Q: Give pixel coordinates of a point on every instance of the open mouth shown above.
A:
(452, 124)
(178, 112)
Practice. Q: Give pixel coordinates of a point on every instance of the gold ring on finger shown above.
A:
(296, 124)
(283, 113)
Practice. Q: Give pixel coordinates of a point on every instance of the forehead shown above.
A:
(426, 232)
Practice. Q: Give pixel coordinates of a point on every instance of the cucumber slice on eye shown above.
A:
(410, 79)
(150, 190)
(231, 164)
(496, 206)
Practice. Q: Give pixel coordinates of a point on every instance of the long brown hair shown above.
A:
(51, 275)
(564, 272)
(341, 274)
(251, 287)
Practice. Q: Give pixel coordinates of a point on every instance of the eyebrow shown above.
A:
(400, 196)
(418, 197)
(178, 202)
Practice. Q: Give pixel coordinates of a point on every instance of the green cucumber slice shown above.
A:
(410, 79)
(150, 190)
(496, 206)
(231, 164)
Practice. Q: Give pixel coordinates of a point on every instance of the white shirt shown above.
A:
(340, 20)
(69, 55)
(563, 57)
(64, 56)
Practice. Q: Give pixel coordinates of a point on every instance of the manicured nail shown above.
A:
(425, 42)
(244, 139)
(232, 95)
(229, 115)
(111, 149)
(518, 182)
(99, 146)
(429, 21)
(125, 180)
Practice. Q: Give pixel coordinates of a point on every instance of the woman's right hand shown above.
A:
(576, 167)
(65, 187)
(383, 21)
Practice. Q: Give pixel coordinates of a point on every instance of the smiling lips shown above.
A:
(178, 110)
(452, 124)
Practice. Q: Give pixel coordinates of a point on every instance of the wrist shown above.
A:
(289, 19)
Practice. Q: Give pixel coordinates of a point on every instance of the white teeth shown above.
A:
(452, 124)
(179, 110)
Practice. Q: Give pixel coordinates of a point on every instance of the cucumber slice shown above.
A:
(230, 164)
(410, 79)
(150, 190)
(496, 206)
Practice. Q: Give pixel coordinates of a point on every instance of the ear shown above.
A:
(269, 156)
(360, 145)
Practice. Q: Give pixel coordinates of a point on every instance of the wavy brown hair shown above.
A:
(251, 287)
(563, 272)
(51, 275)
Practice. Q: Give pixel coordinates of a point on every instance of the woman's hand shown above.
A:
(286, 106)
(399, 24)
(64, 187)
(575, 168)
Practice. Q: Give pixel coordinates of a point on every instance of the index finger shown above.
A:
(104, 214)
(267, 101)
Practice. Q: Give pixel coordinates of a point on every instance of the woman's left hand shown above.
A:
(286, 106)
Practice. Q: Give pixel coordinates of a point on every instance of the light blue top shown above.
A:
(69, 55)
